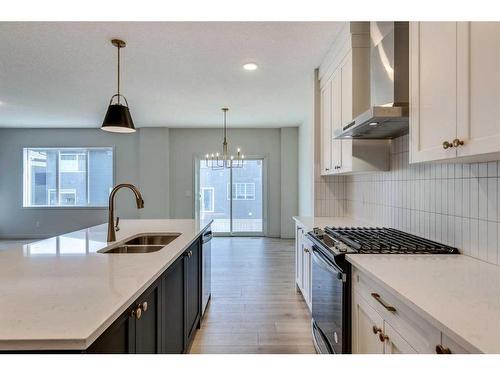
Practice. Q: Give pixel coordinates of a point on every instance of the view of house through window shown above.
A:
(67, 177)
(233, 198)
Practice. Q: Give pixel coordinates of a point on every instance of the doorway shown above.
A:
(232, 198)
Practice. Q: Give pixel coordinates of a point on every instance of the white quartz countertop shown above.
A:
(61, 293)
(310, 222)
(457, 294)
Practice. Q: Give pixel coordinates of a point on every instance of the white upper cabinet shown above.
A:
(336, 107)
(479, 80)
(433, 89)
(345, 93)
(454, 101)
(326, 128)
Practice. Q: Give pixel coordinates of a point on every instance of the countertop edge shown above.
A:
(424, 314)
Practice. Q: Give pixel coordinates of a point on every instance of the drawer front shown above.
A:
(420, 334)
(452, 346)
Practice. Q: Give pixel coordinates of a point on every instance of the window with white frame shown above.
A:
(207, 199)
(67, 177)
(242, 191)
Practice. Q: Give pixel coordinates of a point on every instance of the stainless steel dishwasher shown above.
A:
(207, 269)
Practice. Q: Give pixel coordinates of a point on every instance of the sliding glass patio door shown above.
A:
(232, 198)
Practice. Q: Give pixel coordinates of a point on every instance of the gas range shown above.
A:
(331, 275)
(362, 240)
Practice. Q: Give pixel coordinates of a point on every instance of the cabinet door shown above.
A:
(367, 324)
(336, 145)
(433, 90)
(394, 343)
(173, 308)
(326, 128)
(479, 78)
(298, 256)
(346, 90)
(192, 269)
(147, 327)
(119, 338)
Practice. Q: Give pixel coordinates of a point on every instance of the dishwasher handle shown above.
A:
(207, 236)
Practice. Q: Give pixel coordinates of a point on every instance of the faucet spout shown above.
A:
(111, 209)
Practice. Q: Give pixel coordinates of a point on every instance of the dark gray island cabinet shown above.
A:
(164, 319)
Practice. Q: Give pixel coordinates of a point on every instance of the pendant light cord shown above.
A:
(118, 74)
(225, 112)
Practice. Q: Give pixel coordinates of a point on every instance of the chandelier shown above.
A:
(224, 160)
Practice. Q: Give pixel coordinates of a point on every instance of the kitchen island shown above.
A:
(65, 294)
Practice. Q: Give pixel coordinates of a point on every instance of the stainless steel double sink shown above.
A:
(143, 243)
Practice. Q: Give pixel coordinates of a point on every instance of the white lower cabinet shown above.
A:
(383, 324)
(394, 343)
(303, 264)
(366, 325)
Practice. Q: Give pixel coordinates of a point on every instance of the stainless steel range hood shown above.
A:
(387, 116)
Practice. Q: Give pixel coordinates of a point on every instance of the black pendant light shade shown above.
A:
(118, 119)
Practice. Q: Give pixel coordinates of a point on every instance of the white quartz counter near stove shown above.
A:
(457, 294)
(60, 293)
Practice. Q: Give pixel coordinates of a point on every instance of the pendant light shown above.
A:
(118, 119)
(224, 160)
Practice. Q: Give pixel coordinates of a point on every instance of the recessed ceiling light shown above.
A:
(373, 123)
(250, 66)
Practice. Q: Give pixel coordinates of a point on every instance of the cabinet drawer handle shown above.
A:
(381, 301)
(457, 142)
(144, 306)
(383, 337)
(136, 313)
(440, 349)
(447, 145)
(376, 330)
(306, 250)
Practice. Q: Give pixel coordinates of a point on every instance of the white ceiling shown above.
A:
(176, 74)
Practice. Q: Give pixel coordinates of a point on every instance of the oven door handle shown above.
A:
(319, 340)
(327, 266)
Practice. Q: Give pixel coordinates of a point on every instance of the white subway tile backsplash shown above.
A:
(457, 204)
(483, 198)
(483, 240)
(492, 197)
(492, 169)
(492, 256)
(483, 169)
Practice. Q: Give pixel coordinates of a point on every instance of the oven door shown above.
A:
(328, 305)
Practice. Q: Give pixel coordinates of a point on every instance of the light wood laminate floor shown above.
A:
(255, 307)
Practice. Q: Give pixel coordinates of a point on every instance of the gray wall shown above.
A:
(130, 166)
(158, 160)
(185, 144)
(306, 151)
(289, 180)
